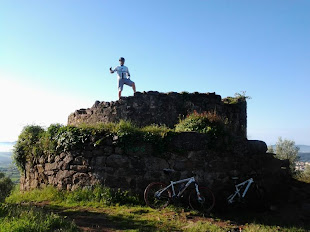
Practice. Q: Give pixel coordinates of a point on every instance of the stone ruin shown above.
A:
(133, 169)
(163, 109)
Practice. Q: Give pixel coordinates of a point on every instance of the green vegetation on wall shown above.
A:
(239, 97)
(206, 122)
(34, 141)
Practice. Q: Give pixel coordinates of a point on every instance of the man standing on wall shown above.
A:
(123, 77)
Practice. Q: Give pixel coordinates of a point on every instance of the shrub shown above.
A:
(27, 144)
(239, 97)
(6, 186)
(206, 122)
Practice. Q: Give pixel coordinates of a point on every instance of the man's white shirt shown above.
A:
(122, 71)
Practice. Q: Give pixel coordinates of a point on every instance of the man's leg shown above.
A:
(119, 94)
(134, 87)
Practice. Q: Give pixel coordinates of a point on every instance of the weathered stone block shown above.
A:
(79, 168)
(81, 179)
(61, 174)
(108, 150)
(80, 160)
(62, 155)
(68, 158)
(51, 166)
(117, 160)
(40, 168)
(256, 147)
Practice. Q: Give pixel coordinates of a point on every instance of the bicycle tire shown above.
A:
(208, 199)
(154, 202)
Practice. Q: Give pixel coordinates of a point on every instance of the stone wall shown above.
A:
(163, 108)
(133, 168)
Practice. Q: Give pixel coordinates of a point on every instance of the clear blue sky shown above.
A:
(55, 56)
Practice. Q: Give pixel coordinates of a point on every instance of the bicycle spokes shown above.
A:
(156, 198)
(203, 201)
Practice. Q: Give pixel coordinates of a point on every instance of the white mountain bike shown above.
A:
(242, 189)
(158, 195)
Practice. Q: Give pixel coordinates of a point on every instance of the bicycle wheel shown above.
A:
(205, 202)
(156, 201)
(255, 197)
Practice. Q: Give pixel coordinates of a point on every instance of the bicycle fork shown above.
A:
(200, 199)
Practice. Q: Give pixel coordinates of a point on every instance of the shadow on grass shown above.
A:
(101, 221)
(289, 214)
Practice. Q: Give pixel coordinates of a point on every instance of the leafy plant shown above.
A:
(239, 97)
(6, 186)
(206, 122)
(27, 144)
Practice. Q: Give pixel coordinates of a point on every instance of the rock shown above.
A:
(40, 168)
(153, 107)
(96, 104)
(68, 158)
(79, 168)
(57, 158)
(256, 147)
(81, 179)
(62, 155)
(117, 160)
(42, 160)
(189, 141)
(51, 166)
(50, 158)
(108, 150)
(61, 174)
(119, 150)
(80, 160)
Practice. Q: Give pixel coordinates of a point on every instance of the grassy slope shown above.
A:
(91, 213)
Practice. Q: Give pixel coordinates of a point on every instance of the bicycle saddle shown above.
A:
(168, 171)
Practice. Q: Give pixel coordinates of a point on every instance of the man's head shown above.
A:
(122, 60)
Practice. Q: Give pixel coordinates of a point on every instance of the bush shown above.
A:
(239, 97)
(305, 175)
(206, 122)
(6, 186)
(27, 143)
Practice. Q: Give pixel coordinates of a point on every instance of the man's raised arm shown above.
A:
(111, 71)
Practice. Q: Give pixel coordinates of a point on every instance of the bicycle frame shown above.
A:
(172, 183)
(238, 187)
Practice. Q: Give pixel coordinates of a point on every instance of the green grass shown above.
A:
(25, 218)
(96, 197)
(132, 216)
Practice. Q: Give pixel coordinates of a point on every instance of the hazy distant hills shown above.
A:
(6, 146)
(304, 148)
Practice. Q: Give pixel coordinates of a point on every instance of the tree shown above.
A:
(270, 149)
(306, 174)
(286, 149)
(6, 186)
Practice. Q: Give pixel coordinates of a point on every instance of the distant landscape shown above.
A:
(6, 164)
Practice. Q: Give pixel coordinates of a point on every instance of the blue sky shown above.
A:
(55, 56)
